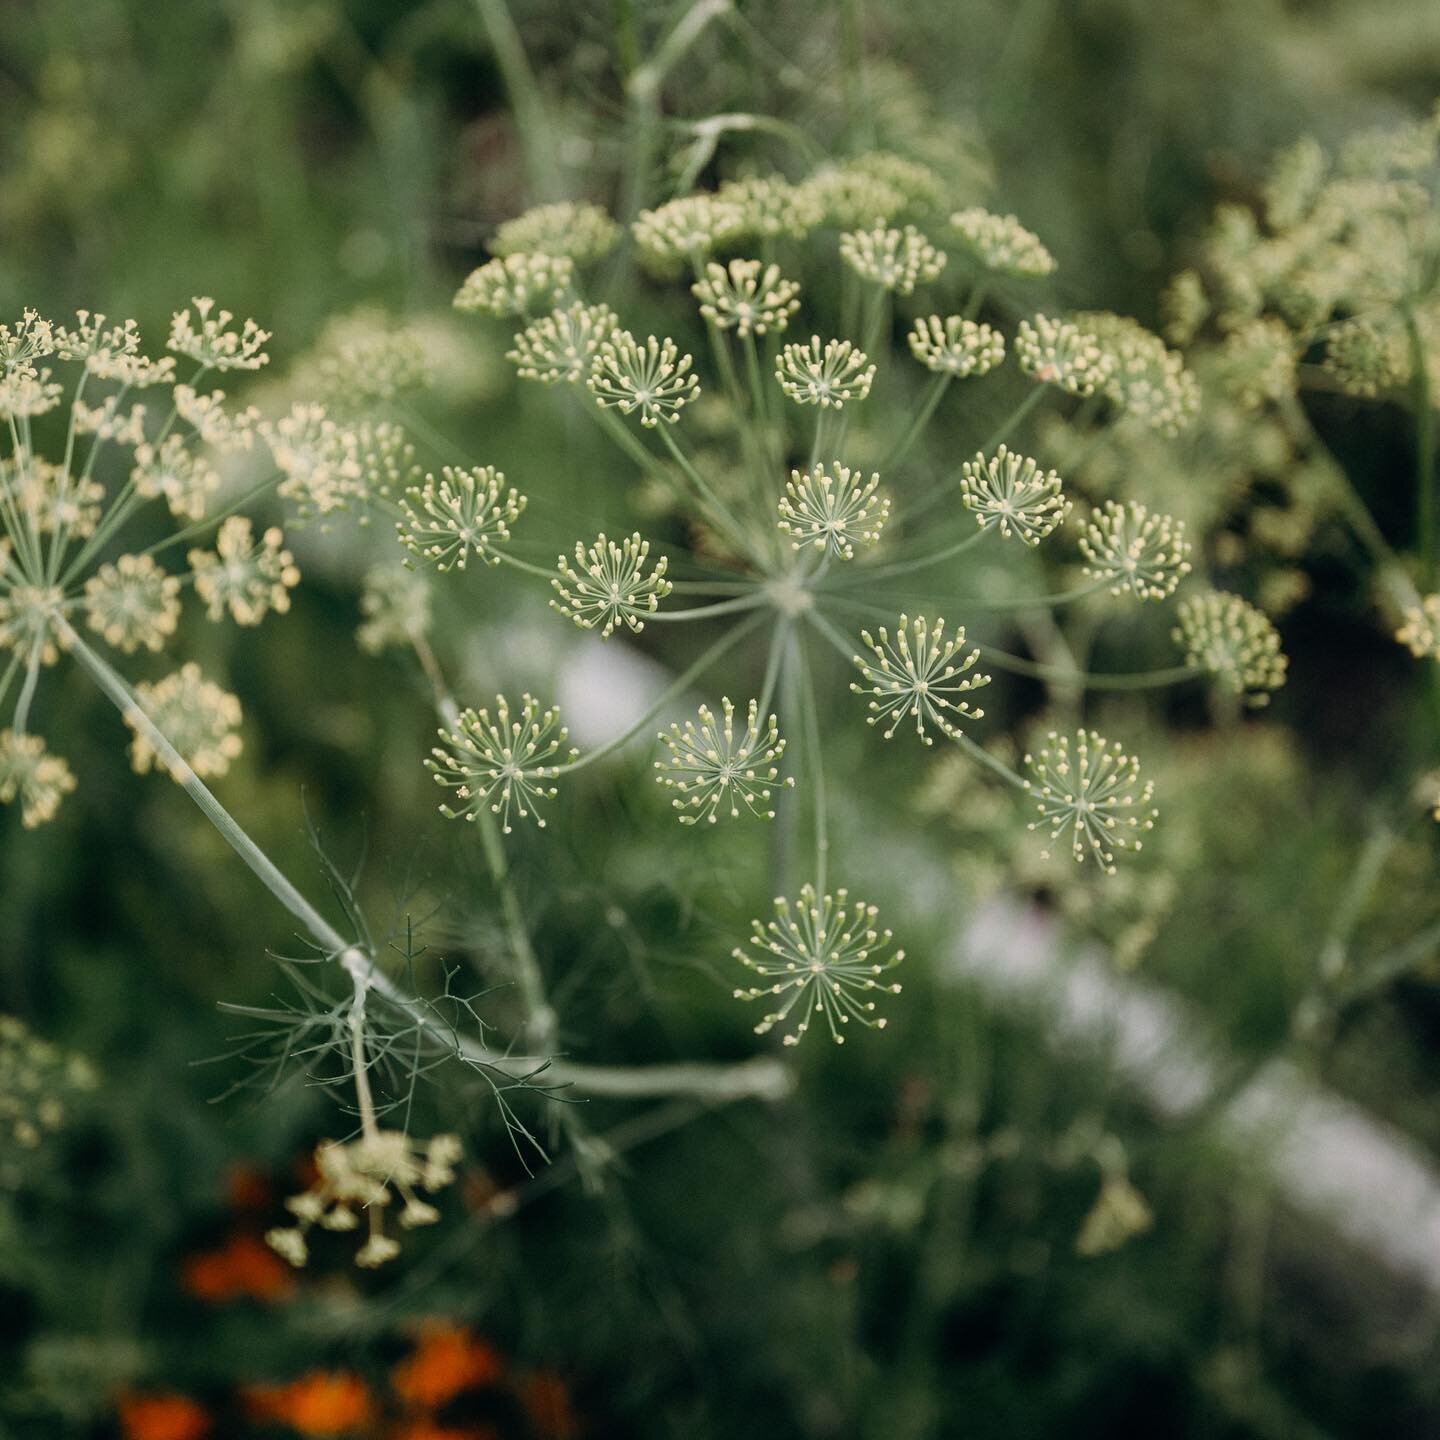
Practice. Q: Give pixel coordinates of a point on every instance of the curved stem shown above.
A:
(704, 612)
(514, 561)
(191, 532)
(996, 767)
(677, 687)
(816, 767)
(1138, 680)
(933, 396)
(904, 567)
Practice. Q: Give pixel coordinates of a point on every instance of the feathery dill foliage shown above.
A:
(800, 511)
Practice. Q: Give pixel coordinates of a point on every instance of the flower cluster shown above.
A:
(1012, 494)
(919, 675)
(821, 954)
(365, 1175)
(826, 376)
(1227, 637)
(896, 260)
(465, 512)
(1133, 551)
(746, 297)
(37, 1082)
(1001, 243)
(651, 380)
(714, 769)
(1089, 795)
(833, 512)
(608, 585)
(956, 346)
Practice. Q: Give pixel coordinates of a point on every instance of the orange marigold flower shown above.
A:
(319, 1403)
(431, 1430)
(446, 1361)
(244, 1266)
(162, 1417)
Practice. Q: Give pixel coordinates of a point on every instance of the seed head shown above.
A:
(956, 346)
(1011, 493)
(1229, 638)
(713, 769)
(1001, 243)
(607, 585)
(582, 233)
(515, 284)
(895, 260)
(652, 378)
(833, 509)
(249, 578)
(396, 607)
(770, 206)
(29, 616)
(40, 781)
(170, 470)
(1090, 793)
(365, 1176)
(210, 340)
(463, 512)
(1148, 381)
(687, 230)
(918, 674)
(133, 604)
(822, 954)
(559, 347)
(832, 375)
(501, 762)
(747, 297)
(1135, 551)
(1420, 630)
(1367, 357)
(1059, 353)
(195, 715)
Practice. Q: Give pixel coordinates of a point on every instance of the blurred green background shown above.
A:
(892, 1251)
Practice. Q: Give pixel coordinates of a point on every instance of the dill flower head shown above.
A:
(1089, 793)
(1011, 493)
(583, 233)
(829, 375)
(1229, 638)
(1419, 631)
(52, 499)
(362, 357)
(770, 206)
(500, 762)
(245, 576)
(956, 346)
(170, 470)
(319, 459)
(1148, 381)
(1367, 357)
(515, 284)
(652, 378)
(1135, 551)
(207, 416)
(26, 393)
(713, 768)
(688, 229)
(896, 260)
(211, 339)
(133, 604)
(919, 674)
(1002, 243)
(1257, 362)
(834, 509)
(559, 347)
(1119, 1214)
(463, 512)
(365, 1175)
(1185, 306)
(37, 1079)
(919, 185)
(195, 715)
(824, 954)
(396, 605)
(850, 198)
(746, 297)
(608, 586)
(1060, 353)
(28, 773)
(28, 620)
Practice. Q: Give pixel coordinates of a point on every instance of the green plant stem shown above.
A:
(816, 768)
(27, 689)
(537, 136)
(927, 407)
(676, 687)
(705, 612)
(515, 563)
(904, 567)
(721, 512)
(985, 758)
(1139, 680)
(1424, 406)
(762, 1078)
(200, 527)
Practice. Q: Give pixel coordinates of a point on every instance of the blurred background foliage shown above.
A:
(934, 1236)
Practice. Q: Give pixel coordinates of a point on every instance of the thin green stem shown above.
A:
(816, 768)
(516, 563)
(721, 512)
(1424, 406)
(1139, 680)
(676, 687)
(996, 767)
(779, 638)
(926, 409)
(537, 136)
(27, 690)
(200, 527)
(904, 567)
(705, 612)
